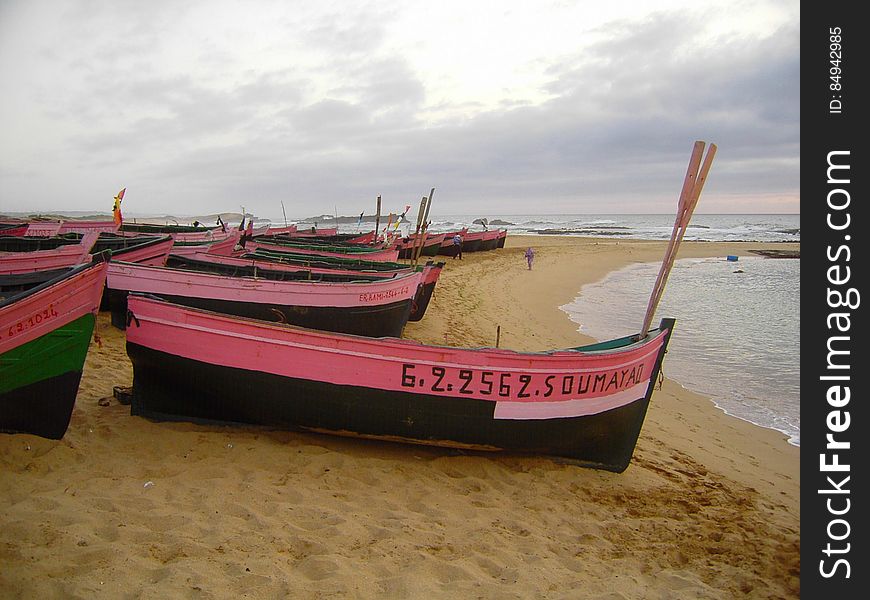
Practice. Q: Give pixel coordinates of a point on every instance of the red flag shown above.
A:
(116, 210)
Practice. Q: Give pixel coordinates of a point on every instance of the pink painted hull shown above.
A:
(161, 280)
(301, 233)
(86, 226)
(280, 230)
(43, 260)
(15, 231)
(46, 310)
(153, 254)
(43, 229)
(583, 404)
(239, 261)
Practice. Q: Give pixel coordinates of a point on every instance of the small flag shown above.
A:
(116, 210)
(402, 216)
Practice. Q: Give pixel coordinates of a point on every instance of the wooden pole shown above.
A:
(417, 230)
(377, 218)
(497, 336)
(691, 192)
(421, 241)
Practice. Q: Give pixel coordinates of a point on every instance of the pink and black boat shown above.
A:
(312, 248)
(46, 323)
(585, 404)
(431, 244)
(296, 262)
(43, 229)
(145, 250)
(26, 254)
(13, 229)
(379, 307)
(82, 227)
(336, 270)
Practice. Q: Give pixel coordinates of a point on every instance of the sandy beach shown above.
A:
(123, 507)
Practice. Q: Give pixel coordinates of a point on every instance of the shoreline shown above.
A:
(708, 508)
(594, 322)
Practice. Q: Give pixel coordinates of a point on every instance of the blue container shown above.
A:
(732, 258)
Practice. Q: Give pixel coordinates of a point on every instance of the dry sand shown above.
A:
(126, 508)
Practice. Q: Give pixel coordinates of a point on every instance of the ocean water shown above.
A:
(730, 228)
(737, 334)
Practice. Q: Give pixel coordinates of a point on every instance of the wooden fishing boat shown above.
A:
(13, 229)
(43, 228)
(431, 245)
(473, 241)
(82, 227)
(349, 251)
(502, 238)
(296, 262)
(431, 273)
(324, 269)
(447, 248)
(373, 308)
(587, 404)
(46, 322)
(145, 249)
(26, 254)
(489, 240)
(279, 229)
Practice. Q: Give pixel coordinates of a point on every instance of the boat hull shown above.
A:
(197, 366)
(372, 308)
(40, 380)
(45, 332)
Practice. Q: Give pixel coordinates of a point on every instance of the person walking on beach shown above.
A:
(530, 256)
(457, 246)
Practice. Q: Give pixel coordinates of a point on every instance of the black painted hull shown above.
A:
(168, 387)
(421, 301)
(42, 408)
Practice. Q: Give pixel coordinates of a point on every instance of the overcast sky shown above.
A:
(504, 107)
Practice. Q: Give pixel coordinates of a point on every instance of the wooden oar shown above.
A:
(421, 241)
(689, 196)
(377, 218)
(688, 184)
(420, 211)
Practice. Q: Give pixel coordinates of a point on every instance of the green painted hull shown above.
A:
(39, 380)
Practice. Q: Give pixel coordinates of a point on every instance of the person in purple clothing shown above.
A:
(530, 256)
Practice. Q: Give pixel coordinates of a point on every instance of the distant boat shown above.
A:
(82, 227)
(16, 229)
(26, 254)
(46, 323)
(144, 249)
(311, 248)
(586, 404)
(431, 245)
